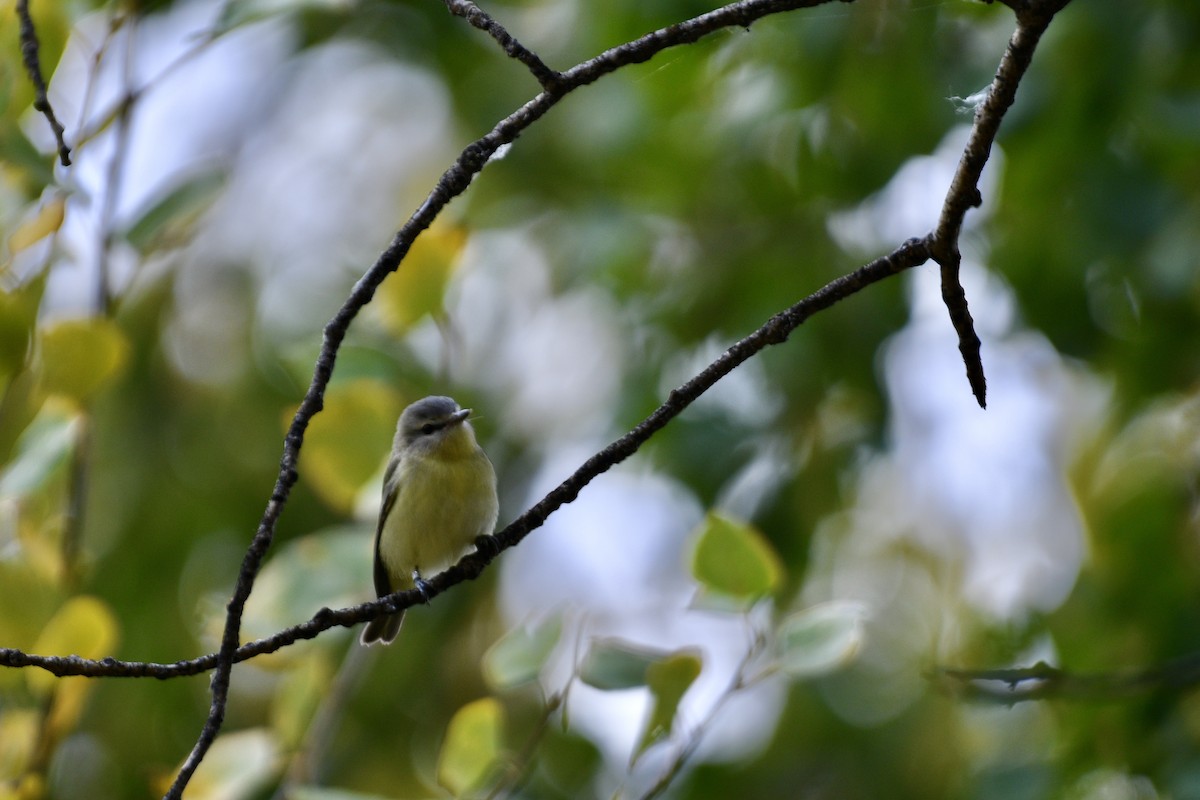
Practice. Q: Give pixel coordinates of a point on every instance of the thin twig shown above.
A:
(1044, 682)
(77, 491)
(133, 94)
(517, 770)
(115, 177)
(684, 754)
(33, 67)
(72, 538)
(547, 77)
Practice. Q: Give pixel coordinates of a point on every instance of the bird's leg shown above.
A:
(421, 585)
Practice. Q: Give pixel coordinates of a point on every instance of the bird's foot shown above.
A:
(488, 546)
(421, 586)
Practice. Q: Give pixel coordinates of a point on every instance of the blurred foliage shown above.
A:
(671, 208)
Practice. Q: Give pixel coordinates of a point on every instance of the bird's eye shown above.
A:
(428, 428)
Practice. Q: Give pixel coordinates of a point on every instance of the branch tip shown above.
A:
(549, 79)
(33, 68)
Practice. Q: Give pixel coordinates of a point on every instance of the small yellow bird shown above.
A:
(439, 495)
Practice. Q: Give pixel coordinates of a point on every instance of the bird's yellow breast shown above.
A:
(445, 498)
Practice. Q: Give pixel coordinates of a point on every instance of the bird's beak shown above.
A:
(460, 416)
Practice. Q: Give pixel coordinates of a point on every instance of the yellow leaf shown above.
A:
(18, 744)
(29, 786)
(472, 745)
(48, 219)
(86, 627)
(418, 287)
(297, 697)
(346, 442)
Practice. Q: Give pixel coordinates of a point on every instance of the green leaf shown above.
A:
(668, 679)
(733, 560)
(80, 357)
(18, 407)
(519, 655)
(821, 639)
(169, 221)
(329, 568)
(472, 745)
(569, 762)
(612, 664)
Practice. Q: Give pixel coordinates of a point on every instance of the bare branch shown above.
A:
(453, 182)
(1044, 682)
(964, 189)
(548, 78)
(774, 331)
(740, 15)
(33, 67)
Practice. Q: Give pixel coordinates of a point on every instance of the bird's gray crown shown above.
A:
(431, 408)
(427, 416)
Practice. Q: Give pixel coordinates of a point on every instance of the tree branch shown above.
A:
(941, 245)
(547, 77)
(453, 182)
(1032, 19)
(1044, 682)
(774, 331)
(33, 67)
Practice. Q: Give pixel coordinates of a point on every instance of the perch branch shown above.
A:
(774, 331)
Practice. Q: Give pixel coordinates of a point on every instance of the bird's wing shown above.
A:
(383, 584)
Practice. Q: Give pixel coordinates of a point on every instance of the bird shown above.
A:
(439, 496)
